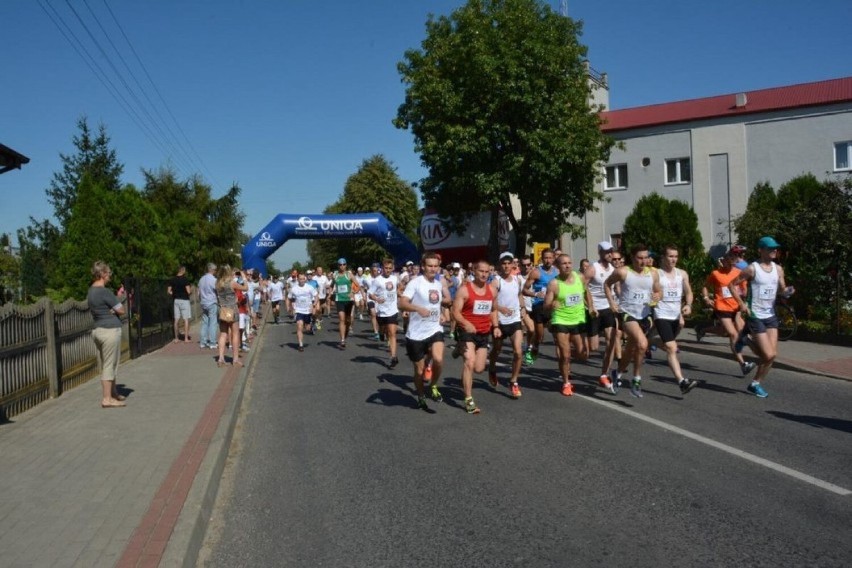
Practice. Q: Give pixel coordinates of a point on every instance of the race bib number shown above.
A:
(481, 307)
(673, 294)
(303, 302)
(726, 292)
(342, 289)
(434, 315)
(768, 292)
(639, 297)
(573, 299)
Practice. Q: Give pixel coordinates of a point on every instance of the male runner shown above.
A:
(383, 293)
(766, 282)
(275, 289)
(640, 285)
(323, 284)
(535, 287)
(342, 291)
(304, 299)
(475, 312)
(509, 301)
(675, 303)
(605, 319)
(525, 268)
(566, 299)
(422, 299)
(375, 270)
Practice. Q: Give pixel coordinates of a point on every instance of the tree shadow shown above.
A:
(815, 421)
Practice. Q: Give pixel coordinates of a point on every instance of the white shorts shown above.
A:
(357, 297)
(183, 310)
(243, 320)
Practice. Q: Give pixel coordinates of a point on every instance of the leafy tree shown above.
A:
(10, 271)
(497, 99)
(761, 216)
(39, 243)
(94, 157)
(374, 187)
(657, 221)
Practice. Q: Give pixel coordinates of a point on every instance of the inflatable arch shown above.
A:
(285, 227)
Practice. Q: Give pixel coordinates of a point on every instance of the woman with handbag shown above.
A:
(229, 322)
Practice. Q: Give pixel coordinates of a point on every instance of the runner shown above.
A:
(640, 285)
(323, 284)
(766, 282)
(605, 319)
(422, 299)
(288, 285)
(535, 287)
(526, 319)
(475, 312)
(275, 289)
(508, 289)
(567, 299)
(375, 269)
(726, 310)
(309, 274)
(342, 291)
(384, 294)
(304, 298)
(675, 303)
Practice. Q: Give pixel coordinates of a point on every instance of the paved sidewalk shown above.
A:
(90, 487)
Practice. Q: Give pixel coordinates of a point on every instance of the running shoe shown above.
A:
(459, 349)
(607, 384)
(699, 332)
(435, 393)
(687, 385)
(528, 358)
(615, 379)
(301, 348)
(319, 326)
(636, 388)
(648, 354)
(747, 367)
(342, 345)
(377, 337)
(470, 406)
(421, 403)
(757, 390)
(567, 389)
(393, 363)
(427, 373)
(492, 379)
(516, 390)
(534, 354)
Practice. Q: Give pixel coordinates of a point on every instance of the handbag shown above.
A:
(226, 314)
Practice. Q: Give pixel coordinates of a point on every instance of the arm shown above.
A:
(550, 301)
(495, 320)
(528, 285)
(687, 295)
(590, 303)
(656, 289)
(782, 285)
(614, 278)
(744, 276)
(446, 299)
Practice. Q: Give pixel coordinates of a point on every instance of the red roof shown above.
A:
(764, 100)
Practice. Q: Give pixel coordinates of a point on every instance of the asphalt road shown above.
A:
(333, 465)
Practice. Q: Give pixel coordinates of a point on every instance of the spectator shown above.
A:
(179, 289)
(106, 308)
(229, 320)
(209, 307)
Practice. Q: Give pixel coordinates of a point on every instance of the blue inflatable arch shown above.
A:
(285, 227)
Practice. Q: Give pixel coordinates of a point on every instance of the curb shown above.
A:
(190, 530)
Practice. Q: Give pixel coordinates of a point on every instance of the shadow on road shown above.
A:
(815, 421)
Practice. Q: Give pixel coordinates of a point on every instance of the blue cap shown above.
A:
(768, 243)
(341, 261)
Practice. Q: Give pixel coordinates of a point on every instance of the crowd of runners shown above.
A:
(623, 298)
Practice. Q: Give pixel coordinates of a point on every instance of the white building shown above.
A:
(711, 152)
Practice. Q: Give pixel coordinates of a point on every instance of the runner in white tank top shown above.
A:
(640, 286)
(605, 320)
(766, 283)
(675, 303)
(507, 291)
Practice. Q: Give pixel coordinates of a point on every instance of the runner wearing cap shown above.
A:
(766, 282)
(383, 293)
(604, 320)
(509, 301)
(342, 291)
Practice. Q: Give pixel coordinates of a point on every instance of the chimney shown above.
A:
(741, 100)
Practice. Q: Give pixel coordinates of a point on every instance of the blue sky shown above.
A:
(288, 97)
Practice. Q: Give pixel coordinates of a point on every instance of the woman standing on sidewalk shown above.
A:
(106, 308)
(229, 322)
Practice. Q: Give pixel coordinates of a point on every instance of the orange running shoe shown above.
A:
(516, 390)
(427, 372)
(607, 384)
(567, 389)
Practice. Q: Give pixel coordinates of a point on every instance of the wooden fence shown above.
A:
(45, 350)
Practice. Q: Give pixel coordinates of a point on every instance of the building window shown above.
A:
(677, 171)
(616, 177)
(843, 156)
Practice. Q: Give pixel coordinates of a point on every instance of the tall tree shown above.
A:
(94, 157)
(376, 186)
(497, 99)
(656, 222)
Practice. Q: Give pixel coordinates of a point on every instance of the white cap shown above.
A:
(507, 254)
(605, 245)
(456, 265)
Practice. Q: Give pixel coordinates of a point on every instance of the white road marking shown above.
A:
(725, 448)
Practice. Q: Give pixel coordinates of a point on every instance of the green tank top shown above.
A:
(342, 289)
(571, 310)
